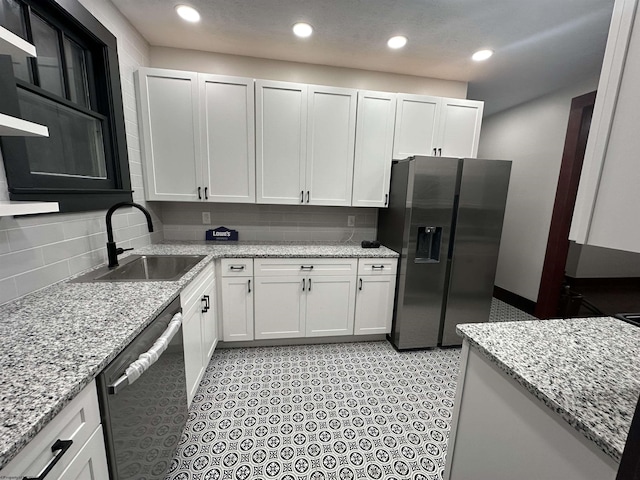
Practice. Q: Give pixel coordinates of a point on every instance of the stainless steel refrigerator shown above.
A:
(445, 219)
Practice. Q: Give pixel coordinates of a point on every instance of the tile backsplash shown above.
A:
(183, 221)
(36, 251)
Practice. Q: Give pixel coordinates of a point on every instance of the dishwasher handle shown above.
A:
(145, 360)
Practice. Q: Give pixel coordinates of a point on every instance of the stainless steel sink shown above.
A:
(144, 268)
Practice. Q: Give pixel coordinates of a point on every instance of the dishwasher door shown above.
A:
(143, 421)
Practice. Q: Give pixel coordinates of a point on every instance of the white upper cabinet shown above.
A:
(168, 112)
(281, 136)
(459, 127)
(227, 138)
(373, 151)
(331, 130)
(435, 126)
(416, 125)
(606, 212)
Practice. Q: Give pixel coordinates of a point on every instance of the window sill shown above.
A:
(16, 127)
(9, 208)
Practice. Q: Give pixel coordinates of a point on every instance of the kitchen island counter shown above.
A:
(586, 371)
(55, 341)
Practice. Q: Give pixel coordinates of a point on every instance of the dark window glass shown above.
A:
(11, 18)
(77, 73)
(45, 38)
(75, 146)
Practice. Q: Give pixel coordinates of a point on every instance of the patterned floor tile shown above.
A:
(323, 412)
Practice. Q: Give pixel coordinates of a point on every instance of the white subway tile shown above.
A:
(30, 237)
(8, 290)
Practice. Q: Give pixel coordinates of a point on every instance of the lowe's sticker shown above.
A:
(222, 234)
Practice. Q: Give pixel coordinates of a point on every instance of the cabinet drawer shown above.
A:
(77, 422)
(191, 293)
(237, 267)
(377, 266)
(305, 267)
(91, 461)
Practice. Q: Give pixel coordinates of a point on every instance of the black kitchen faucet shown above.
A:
(112, 250)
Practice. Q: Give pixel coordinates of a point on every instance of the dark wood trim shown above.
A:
(558, 241)
(515, 300)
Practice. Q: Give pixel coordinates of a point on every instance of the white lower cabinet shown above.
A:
(330, 303)
(374, 304)
(199, 327)
(279, 307)
(85, 458)
(237, 308)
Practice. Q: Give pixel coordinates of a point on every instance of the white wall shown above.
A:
(532, 135)
(40, 250)
(586, 261)
(223, 64)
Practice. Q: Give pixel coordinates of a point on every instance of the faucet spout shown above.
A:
(112, 250)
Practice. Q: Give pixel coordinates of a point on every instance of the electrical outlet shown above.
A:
(206, 218)
(351, 220)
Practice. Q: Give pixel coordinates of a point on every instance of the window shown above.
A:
(72, 87)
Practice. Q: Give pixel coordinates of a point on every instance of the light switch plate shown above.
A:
(351, 220)
(206, 218)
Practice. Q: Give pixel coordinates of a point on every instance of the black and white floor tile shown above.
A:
(323, 412)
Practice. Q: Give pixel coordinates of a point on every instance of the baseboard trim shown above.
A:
(515, 300)
(303, 341)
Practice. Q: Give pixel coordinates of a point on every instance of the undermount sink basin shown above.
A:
(144, 268)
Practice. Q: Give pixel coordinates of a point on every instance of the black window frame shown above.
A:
(72, 193)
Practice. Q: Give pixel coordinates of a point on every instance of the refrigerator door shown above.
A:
(482, 198)
(424, 263)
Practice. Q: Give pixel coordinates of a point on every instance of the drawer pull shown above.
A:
(303, 284)
(207, 305)
(60, 446)
(236, 268)
(360, 288)
(249, 285)
(377, 267)
(306, 267)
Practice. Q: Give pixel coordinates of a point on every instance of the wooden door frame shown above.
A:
(555, 260)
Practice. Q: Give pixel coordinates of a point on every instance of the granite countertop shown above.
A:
(587, 370)
(55, 341)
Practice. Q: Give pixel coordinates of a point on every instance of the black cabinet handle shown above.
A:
(199, 193)
(306, 267)
(303, 284)
(309, 289)
(307, 196)
(249, 285)
(439, 152)
(60, 446)
(236, 267)
(206, 197)
(360, 287)
(386, 199)
(377, 267)
(301, 196)
(207, 306)
(434, 152)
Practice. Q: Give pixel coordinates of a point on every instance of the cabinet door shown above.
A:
(416, 125)
(281, 134)
(227, 138)
(193, 354)
(279, 307)
(209, 324)
(237, 309)
(91, 461)
(168, 113)
(460, 122)
(331, 130)
(373, 151)
(374, 304)
(329, 306)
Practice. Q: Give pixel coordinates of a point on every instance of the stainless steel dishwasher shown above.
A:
(143, 400)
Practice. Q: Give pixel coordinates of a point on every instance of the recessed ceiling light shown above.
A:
(302, 29)
(481, 55)
(397, 42)
(188, 13)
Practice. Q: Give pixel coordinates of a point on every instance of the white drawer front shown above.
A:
(305, 267)
(191, 293)
(377, 266)
(237, 267)
(91, 461)
(77, 422)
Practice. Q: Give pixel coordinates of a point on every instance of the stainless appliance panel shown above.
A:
(143, 421)
(432, 182)
(483, 194)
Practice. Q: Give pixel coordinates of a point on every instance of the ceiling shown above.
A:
(540, 45)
